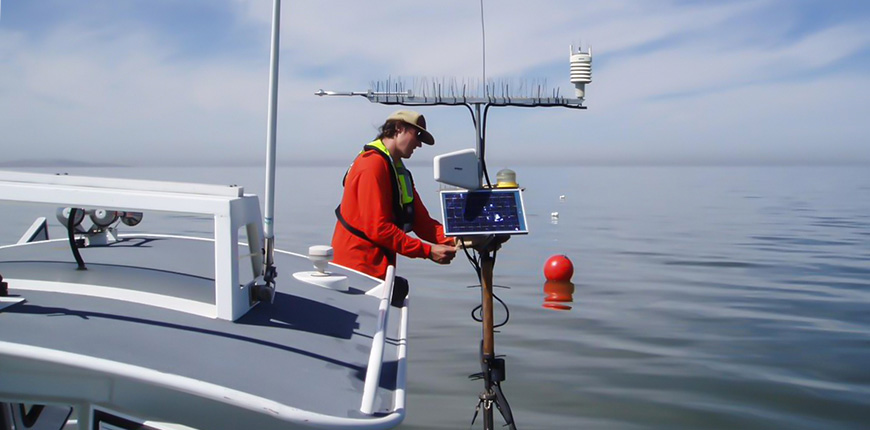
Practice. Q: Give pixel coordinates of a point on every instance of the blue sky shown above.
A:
(175, 82)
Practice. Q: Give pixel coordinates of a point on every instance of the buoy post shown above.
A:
(493, 368)
(487, 397)
(486, 267)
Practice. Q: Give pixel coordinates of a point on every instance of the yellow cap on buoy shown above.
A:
(506, 178)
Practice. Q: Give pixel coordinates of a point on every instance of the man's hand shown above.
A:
(442, 254)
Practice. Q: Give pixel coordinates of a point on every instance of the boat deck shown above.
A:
(143, 303)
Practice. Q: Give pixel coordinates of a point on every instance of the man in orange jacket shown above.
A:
(380, 206)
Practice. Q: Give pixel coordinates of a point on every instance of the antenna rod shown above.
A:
(483, 44)
(268, 227)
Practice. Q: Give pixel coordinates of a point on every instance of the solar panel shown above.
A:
(493, 211)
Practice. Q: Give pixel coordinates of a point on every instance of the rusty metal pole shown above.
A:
(486, 268)
(488, 354)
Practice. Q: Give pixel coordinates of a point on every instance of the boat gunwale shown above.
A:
(216, 391)
(202, 389)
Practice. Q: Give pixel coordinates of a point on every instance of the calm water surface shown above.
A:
(714, 298)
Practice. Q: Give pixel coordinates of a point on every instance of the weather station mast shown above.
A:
(480, 215)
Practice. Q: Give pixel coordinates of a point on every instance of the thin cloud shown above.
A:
(139, 82)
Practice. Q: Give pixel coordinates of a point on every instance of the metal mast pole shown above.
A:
(487, 397)
(268, 221)
(478, 131)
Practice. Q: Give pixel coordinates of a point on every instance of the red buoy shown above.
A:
(558, 268)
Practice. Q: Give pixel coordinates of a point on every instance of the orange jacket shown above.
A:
(367, 205)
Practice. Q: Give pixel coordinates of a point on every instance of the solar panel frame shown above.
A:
(496, 211)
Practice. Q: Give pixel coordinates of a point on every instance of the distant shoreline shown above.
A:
(56, 163)
(426, 162)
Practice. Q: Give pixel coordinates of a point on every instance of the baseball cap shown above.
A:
(416, 120)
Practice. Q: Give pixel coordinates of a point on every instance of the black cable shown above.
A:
(507, 311)
(495, 104)
(482, 136)
(475, 264)
(474, 317)
(471, 111)
(503, 407)
(70, 228)
(483, 146)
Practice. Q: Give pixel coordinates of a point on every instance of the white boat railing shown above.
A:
(402, 370)
(230, 207)
(376, 356)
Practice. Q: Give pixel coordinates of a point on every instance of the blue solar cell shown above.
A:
(497, 211)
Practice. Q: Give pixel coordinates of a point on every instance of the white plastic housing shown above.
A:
(63, 216)
(458, 168)
(320, 256)
(581, 70)
(103, 217)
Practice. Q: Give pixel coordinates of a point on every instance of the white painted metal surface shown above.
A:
(230, 213)
(376, 356)
(37, 231)
(129, 184)
(35, 378)
(271, 131)
(25, 366)
(9, 301)
(131, 296)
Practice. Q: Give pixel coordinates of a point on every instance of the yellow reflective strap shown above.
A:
(405, 184)
(402, 174)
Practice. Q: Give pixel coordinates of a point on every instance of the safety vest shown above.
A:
(402, 181)
(403, 184)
